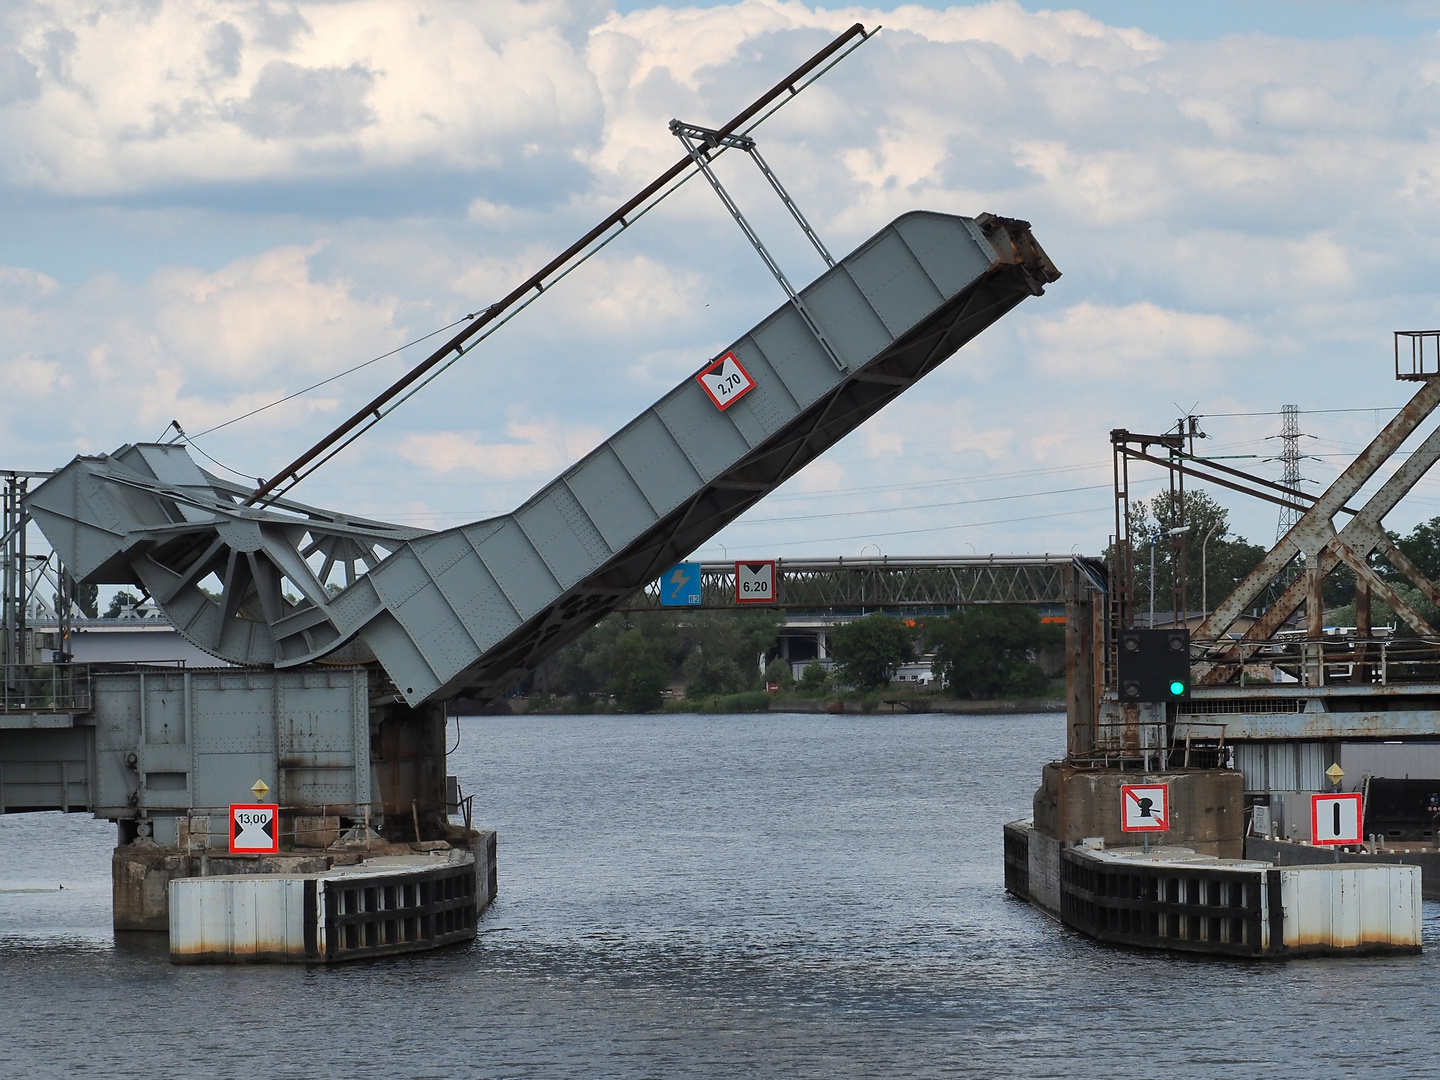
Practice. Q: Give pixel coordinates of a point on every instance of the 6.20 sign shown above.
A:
(755, 582)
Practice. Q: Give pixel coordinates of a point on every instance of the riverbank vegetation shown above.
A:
(726, 661)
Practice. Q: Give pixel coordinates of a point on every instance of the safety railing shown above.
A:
(1154, 744)
(45, 688)
(1331, 660)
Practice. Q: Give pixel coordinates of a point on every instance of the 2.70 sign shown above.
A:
(726, 381)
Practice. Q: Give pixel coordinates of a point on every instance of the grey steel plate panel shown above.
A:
(661, 470)
(609, 494)
(801, 362)
(894, 282)
(706, 434)
(847, 319)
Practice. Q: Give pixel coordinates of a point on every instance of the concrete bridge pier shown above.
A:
(358, 775)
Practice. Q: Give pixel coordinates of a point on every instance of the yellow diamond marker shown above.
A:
(259, 788)
(1335, 773)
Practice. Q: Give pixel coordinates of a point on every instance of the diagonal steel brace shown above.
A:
(1363, 536)
(1314, 530)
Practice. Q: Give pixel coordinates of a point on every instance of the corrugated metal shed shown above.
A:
(1284, 766)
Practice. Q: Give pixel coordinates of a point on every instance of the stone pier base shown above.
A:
(141, 872)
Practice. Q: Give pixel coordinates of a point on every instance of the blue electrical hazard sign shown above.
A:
(680, 587)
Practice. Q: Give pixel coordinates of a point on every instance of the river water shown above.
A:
(752, 896)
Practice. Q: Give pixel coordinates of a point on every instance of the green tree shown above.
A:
(119, 602)
(1421, 547)
(867, 651)
(642, 670)
(1224, 560)
(986, 652)
(568, 672)
(814, 680)
(629, 655)
(722, 650)
(87, 599)
(1382, 615)
(778, 672)
(634, 656)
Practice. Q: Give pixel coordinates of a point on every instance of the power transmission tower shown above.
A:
(1290, 458)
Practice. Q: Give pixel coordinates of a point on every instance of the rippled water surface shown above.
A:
(765, 896)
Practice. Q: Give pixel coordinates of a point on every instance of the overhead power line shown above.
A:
(939, 528)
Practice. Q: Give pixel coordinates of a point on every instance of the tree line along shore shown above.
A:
(679, 660)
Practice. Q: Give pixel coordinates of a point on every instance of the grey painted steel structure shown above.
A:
(476, 608)
(157, 745)
(891, 582)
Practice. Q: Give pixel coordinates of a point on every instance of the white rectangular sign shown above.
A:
(755, 582)
(1335, 819)
(726, 381)
(1145, 807)
(254, 829)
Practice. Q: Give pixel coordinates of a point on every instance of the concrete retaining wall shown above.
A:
(1283, 853)
(1206, 807)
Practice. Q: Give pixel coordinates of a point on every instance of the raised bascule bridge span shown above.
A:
(335, 706)
(473, 610)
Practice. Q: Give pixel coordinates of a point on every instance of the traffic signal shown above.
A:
(1154, 665)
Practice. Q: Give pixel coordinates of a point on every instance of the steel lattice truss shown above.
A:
(1316, 544)
(871, 584)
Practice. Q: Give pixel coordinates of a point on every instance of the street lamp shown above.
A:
(1204, 578)
(1170, 533)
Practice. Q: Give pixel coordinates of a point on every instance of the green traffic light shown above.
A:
(1177, 688)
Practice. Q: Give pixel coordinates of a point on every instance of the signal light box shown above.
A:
(1154, 665)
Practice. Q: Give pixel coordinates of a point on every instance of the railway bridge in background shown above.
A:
(812, 595)
(815, 595)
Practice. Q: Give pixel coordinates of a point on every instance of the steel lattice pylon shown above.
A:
(1290, 457)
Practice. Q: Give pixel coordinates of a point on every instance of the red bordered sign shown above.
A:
(1335, 819)
(254, 829)
(755, 582)
(725, 381)
(1145, 807)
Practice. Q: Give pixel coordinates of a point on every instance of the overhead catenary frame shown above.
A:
(1294, 570)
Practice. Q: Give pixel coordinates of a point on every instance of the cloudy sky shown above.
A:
(206, 206)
